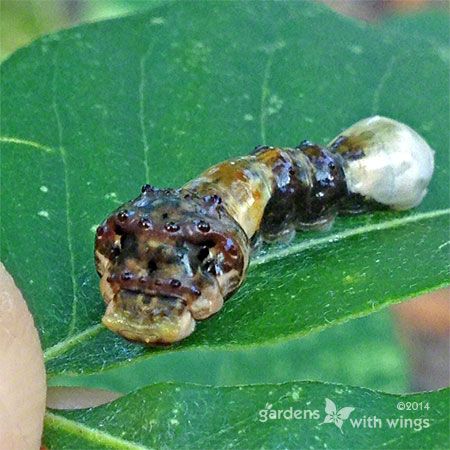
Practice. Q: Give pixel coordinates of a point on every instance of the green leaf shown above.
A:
(91, 113)
(361, 352)
(179, 416)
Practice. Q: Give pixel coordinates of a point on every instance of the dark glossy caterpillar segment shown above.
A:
(171, 257)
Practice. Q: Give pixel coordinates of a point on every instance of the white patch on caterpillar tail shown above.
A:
(397, 164)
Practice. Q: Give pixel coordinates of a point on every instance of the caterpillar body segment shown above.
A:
(172, 256)
(385, 161)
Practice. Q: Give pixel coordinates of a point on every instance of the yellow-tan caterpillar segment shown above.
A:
(172, 256)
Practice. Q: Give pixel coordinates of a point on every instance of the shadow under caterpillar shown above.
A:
(172, 256)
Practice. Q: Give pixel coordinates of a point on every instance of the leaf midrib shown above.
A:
(331, 238)
(91, 434)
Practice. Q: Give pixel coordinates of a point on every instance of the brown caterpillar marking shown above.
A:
(171, 257)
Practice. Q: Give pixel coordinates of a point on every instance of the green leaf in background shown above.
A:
(90, 114)
(180, 416)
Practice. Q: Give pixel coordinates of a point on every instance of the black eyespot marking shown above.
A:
(147, 188)
(203, 226)
(171, 227)
(145, 223)
(123, 215)
(175, 283)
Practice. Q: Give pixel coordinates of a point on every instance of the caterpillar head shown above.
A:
(385, 161)
(166, 259)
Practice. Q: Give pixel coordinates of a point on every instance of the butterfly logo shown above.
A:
(335, 416)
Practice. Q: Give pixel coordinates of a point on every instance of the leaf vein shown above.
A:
(20, 141)
(68, 343)
(307, 244)
(69, 226)
(142, 62)
(264, 95)
(90, 434)
(377, 93)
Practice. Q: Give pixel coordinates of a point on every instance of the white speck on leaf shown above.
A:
(43, 214)
(270, 48)
(356, 49)
(43, 189)
(274, 105)
(295, 394)
(443, 53)
(157, 20)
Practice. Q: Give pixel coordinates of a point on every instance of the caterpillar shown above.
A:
(171, 257)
